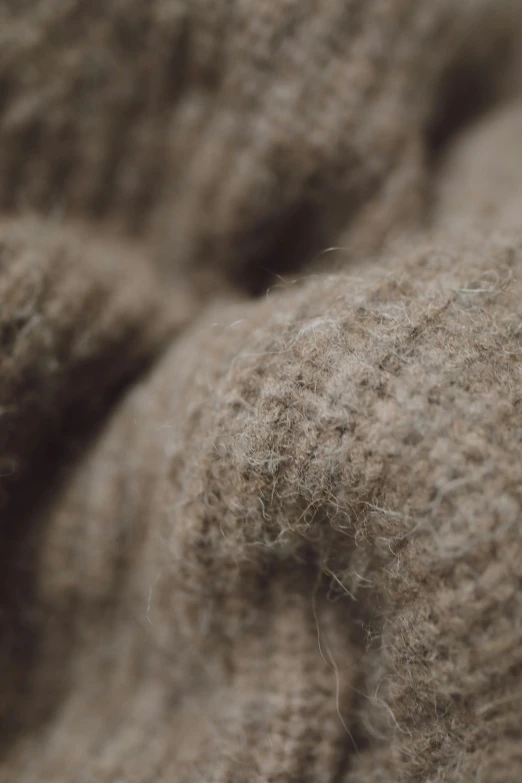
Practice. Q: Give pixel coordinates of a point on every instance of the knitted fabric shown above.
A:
(70, 305)
(246, 138)
(307, 525)
(281, 542)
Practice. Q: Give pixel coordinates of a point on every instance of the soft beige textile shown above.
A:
(272, 539)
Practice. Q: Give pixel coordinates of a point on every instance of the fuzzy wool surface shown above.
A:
(274, 538)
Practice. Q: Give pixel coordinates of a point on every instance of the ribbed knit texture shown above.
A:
(274, 540)
(244, 136)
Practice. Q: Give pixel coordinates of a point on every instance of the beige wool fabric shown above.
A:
(277, 539)
(78, 317)
(244, 136)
